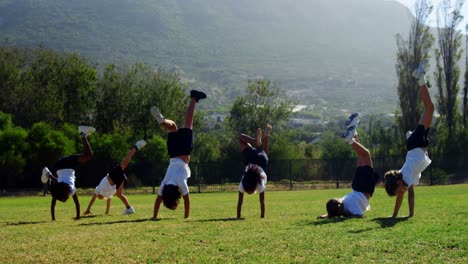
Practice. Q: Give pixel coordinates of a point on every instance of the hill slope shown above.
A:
(335, 51)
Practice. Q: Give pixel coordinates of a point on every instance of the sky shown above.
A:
(435, 3)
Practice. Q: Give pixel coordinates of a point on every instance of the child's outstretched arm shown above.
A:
(186, 205)
(108, 205)
(52, 208)
(262, 204)
(398, 201)
(411, 200)
(77, 206)
(88, 210)
(157, 205)
(240, 200)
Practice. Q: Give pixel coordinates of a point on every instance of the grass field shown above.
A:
(290, 233)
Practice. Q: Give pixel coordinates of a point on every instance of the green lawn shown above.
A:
(290, 233)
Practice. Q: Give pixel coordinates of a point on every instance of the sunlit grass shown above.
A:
(289, 233)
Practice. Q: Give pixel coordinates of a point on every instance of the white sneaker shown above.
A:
(129, 210)
(421, 70)
(45, 175)
(86, 130)
(349, 135)
(157, 114)
(353, 119)
(140, 144)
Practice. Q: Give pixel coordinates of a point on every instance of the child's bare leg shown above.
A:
(88, 152)
(190, 114)
(419, 73)
(266, 136)
(195, 96)
(246, 141)
(127, 159)
(426, 117)
(167, 123)
(364, 157)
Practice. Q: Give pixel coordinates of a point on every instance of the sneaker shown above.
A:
(157, 114)
(349, 135)
(353, 119)
(197, 95)
(45, 175)
(129, 210)
(140, 144)
(86, 130)
(408, 134)
(421, 69)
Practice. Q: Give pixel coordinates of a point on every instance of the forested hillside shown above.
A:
(336, 52)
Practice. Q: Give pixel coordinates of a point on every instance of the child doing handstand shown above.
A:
(256, 161)
(179, 146)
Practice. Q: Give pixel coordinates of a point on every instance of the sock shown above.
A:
(422, 80)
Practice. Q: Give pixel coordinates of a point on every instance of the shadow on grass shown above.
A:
(325, 221)
(26, 223)
(120, 222)
(360, 231)
(386, 222)
(220, 219)
(88, 216)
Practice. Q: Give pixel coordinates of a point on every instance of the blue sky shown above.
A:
(435, 3)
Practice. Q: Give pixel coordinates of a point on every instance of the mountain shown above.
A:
(339, 53)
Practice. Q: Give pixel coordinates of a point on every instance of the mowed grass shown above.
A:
(290, 232)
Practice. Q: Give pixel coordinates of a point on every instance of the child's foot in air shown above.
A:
(259, 137)
(197, 95)
(157, 114)
(267, 130)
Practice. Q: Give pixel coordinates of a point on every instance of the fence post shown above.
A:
(430, 172)
(337, 180)
(290, 176)
(154, 182)
(198, 176)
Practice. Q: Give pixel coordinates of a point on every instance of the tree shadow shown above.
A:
(386, 222)
(220, 219)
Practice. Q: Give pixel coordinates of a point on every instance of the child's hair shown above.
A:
(391, 181)
(60, 191)
(334, 208)
(251, 179)
(171, 195)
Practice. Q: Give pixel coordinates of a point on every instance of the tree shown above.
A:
(260, 105)
(13, 150)
(45, 85)
(11, 63)
(410, 52)
(126, 93)
(448, 54)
